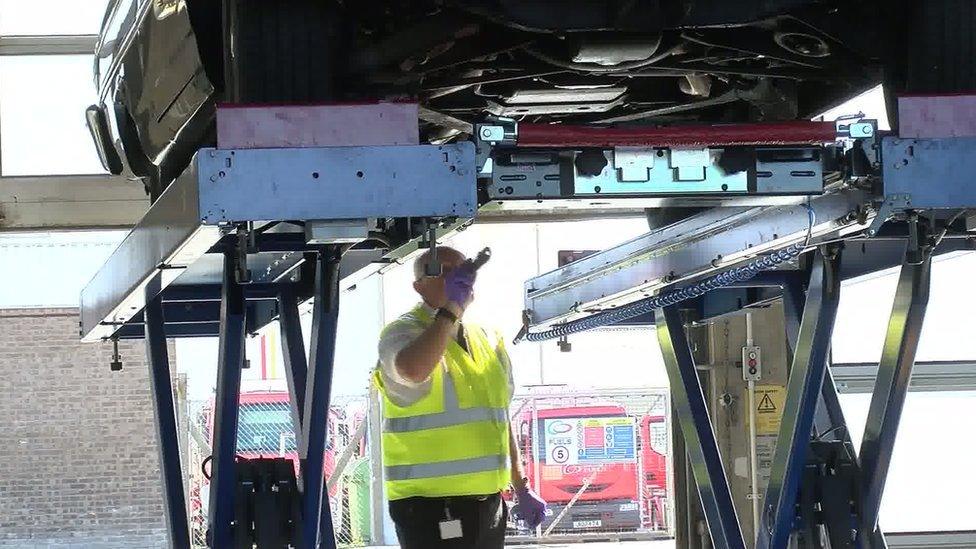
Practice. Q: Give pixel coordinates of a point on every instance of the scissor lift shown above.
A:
(246, 235)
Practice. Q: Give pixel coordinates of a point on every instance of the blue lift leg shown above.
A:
(689, 404)
(803, 393)
(230, 361)
(174, 499)
(317, 517)
(296, 360)
(829, 416)
(891, 387)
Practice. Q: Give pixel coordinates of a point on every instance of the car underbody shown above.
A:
(551, 61)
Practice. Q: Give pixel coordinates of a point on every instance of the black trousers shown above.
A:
(483, 520)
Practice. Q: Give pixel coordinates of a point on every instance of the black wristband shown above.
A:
(446, 314)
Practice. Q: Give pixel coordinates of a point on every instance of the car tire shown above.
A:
(932, 50)
(286, 51)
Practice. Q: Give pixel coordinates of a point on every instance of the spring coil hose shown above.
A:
(721, 280)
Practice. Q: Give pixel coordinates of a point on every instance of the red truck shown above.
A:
(264, 429)
(605, 449)
(654, 444)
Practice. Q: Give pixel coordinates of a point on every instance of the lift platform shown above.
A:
(246, 235)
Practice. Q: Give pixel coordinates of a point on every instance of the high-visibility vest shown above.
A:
(454, 440)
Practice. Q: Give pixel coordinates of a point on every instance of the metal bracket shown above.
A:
(690, 164)
(856, 127)
(634, 163)
(892, 204)
(242, 273)
(499, 131)
(433, 266)
(116, 364)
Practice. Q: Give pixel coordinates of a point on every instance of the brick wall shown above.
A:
(78, 461)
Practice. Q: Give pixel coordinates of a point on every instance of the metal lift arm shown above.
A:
(223, 189)
(819, 483)
(259, 230)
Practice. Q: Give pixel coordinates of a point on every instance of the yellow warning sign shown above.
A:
(769, 408)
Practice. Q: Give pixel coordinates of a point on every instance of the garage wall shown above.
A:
(78, 461)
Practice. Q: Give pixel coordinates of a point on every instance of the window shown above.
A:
(865, 305)
(871, 103)
(929, 483)
(42, 115)
(265, 428)
(38, 17)
(660, 438)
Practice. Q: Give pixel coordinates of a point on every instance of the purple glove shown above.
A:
(459, 283)
(529, 507)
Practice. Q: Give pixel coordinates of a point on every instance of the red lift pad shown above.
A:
(319, 125)
(768, 133)
(934, 116)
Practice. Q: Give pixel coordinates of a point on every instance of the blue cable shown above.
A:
(721, 280)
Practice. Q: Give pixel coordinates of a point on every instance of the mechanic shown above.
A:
(446, 386)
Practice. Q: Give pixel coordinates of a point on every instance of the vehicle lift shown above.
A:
(247, 235)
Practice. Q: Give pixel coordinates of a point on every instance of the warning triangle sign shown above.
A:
(766, 404)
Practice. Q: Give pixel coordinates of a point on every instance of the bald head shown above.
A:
(446, 256)
(431, 288)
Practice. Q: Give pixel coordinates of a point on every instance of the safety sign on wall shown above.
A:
(769, 408)
(580, 441)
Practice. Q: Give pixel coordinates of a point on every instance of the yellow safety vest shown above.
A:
(454, 440)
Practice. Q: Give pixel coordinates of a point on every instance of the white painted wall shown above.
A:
(50, 269)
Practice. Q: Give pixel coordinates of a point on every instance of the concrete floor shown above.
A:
(658, 544)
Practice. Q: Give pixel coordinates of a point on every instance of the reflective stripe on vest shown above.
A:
(445, 468)
(443, 419)
(452, 415)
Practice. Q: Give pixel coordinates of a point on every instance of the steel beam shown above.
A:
(317, 528)
(198, 329)
(793, 299)
(226, 187)
(73, 44)
(230, 360)
(75, 202)
(770, 133)
(829, 415)
(927, 376)
(806, 378)
(704, 244)
(692, 412)
(891, 387)
(296, 360)
(167, 438)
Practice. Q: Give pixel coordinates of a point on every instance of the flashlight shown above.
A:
(482, 258)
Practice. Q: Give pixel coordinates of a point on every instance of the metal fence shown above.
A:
(602, 460)
(265, 430)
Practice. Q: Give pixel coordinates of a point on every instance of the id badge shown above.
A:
(450, 529)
